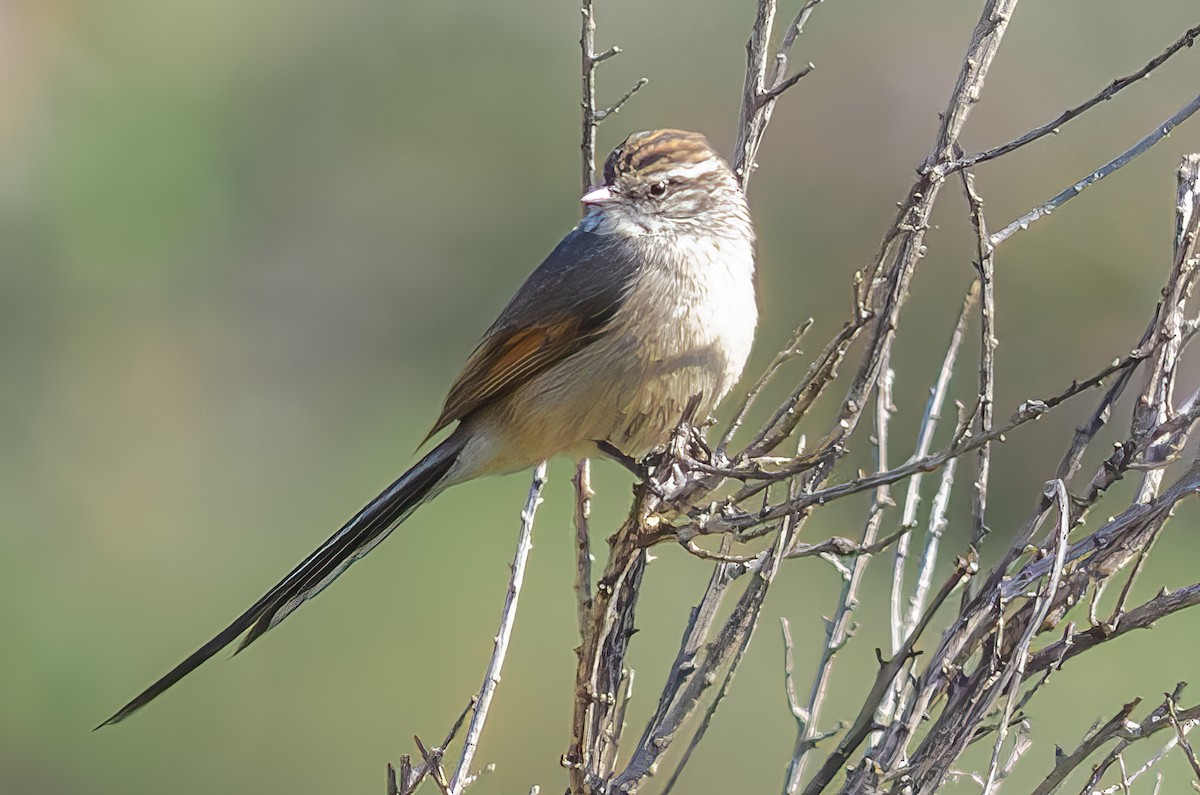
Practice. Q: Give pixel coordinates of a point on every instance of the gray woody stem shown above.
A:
(763, 84)
(508, 617)
(1041, 211)
(591, 116)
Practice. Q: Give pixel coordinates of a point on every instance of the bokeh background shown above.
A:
(245, 246)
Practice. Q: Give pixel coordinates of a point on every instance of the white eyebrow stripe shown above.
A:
(709, 166)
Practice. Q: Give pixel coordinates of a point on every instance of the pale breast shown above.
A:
(693, 315)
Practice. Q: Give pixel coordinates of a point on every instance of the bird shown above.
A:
(645, 310)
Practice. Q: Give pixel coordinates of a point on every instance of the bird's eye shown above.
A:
(658, 190)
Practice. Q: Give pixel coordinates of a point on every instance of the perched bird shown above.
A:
(645, 307)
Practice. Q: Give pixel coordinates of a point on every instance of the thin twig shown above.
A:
(1143, 616)
(1066, 763)
(508, 618)
(410, 778)
(1184, 42)
(583, 544)
(908, 519)
(1021, 744)
(1028, 411)
(789, 674)
(1141, 147)
(742, 644)
(986, 266)
(1129, 732)
(1138, 518)
(789, 352)
(1015, 672)
(888, 671)
(591, 116)
(764, 85)
(1173, 714)
(937, 525)
(722, 655)
(587, 46)
(1156, 407)
(614, 108)
(840, 628)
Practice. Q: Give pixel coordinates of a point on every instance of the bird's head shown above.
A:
(667, 182)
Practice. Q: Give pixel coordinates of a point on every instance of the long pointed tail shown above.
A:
(355, 539)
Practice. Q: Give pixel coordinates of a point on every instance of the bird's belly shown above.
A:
(612, 392)
(646, 415)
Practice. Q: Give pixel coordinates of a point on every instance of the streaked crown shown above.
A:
(671, 179)
(661, 154)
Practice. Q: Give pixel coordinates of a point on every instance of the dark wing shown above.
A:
(563, 305)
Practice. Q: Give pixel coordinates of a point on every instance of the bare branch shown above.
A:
(1028, 411)
(761, 90)
(1014, 672)
(1128, 732)
(601, 669)
(773, 94)
(722, 655)
(433, 763)
(888, 671)
(591, 116)
(583, 543)
(1116, 86)
(587, 46)
(789, 668)
(601, 115)
(1067, 763)
(508, 618)
(1173, 714)
(933, 410)
(1143, 616)
(790, 351)
(840, 628)
(1141, 147)
(986, 266)
(409, 777)
(937, 525)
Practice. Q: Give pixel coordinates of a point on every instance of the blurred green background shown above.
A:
(246, 245)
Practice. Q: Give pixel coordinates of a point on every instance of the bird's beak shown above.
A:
(597, 195)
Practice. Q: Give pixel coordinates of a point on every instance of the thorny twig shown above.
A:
(1096, 557)
(888, 671)
(789, 352)
(1028, 411)
(1181, 735)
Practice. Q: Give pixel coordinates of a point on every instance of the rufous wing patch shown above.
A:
(507, 360)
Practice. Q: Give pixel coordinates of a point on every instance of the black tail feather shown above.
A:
(357, 537)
